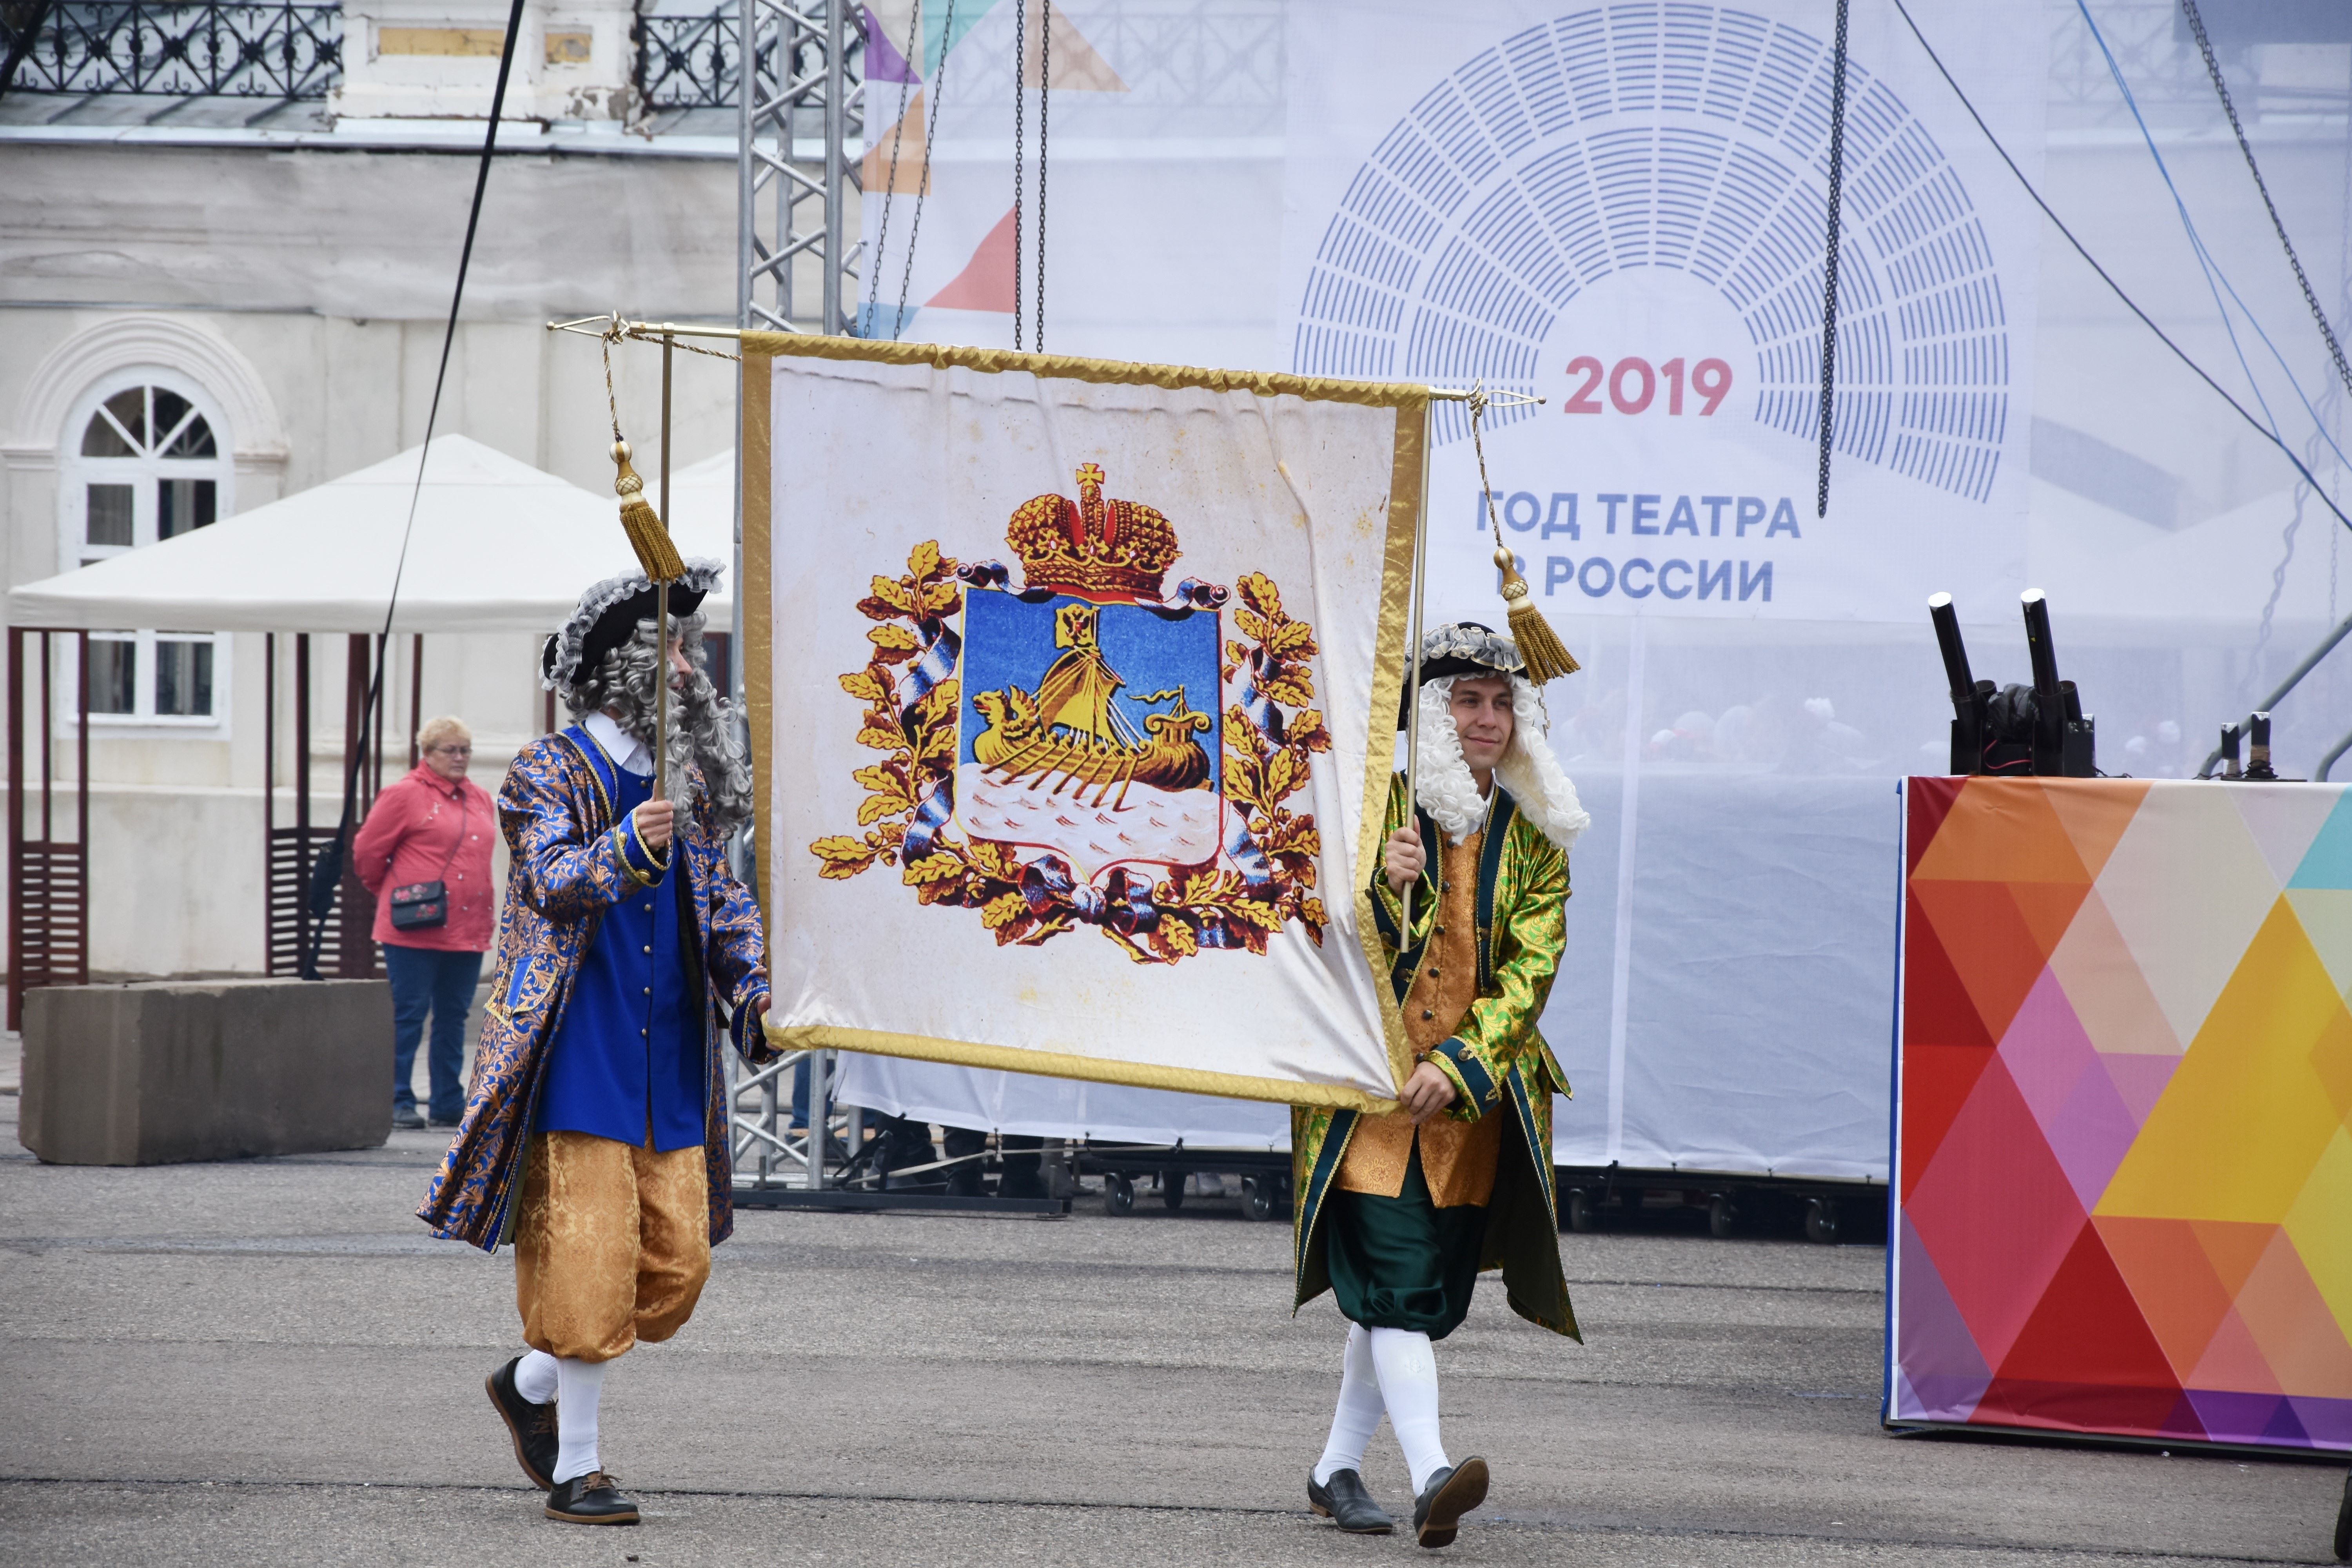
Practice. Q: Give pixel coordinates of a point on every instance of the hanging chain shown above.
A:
(930, 140)
(1020, 63)
(897, 135)
(1045, 98)
(2213, 70)
(1830, 267)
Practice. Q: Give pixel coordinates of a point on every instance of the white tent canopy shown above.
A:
(498, 546)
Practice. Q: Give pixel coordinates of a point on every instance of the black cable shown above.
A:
(1020, 63)
(327, 874)
(897, 135)
(2116, 288)
(1045, 95)
(930, 142)
(2213, 70)
(1830, 262)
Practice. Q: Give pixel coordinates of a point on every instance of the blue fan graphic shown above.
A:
(1681, 136)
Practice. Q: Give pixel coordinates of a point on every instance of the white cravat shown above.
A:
(625, 749)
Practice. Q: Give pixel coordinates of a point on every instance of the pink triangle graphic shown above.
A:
(2139, 1078)
(2046, 1051)
(2092, 1134)
(986, 281)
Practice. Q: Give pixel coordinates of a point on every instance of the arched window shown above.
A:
(146, 461)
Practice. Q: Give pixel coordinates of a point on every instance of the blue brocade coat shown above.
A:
(570, 862)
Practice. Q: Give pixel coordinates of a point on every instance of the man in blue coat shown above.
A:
(597, 1133)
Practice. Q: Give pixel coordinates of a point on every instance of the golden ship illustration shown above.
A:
(1071, 734)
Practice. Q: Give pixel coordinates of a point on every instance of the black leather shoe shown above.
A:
(2344, 1524)
(592, 1498)
(1450, 1493)
(407, 1121)
(532, 1426)
(1347, 1504)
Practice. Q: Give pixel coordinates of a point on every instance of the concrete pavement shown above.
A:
(271, 1361)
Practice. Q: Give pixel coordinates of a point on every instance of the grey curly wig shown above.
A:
(702, 728)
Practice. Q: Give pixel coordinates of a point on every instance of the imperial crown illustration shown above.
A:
(1092, 547)
(1082, 748)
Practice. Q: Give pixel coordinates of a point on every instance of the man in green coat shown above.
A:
(1397, 1214)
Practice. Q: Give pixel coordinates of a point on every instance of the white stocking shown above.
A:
(534, 1377)
(1408, 1373)
(577, 1383)
(1358, 1415)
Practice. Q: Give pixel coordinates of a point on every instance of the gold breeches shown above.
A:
(612, 1244)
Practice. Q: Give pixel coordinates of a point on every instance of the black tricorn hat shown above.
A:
(608, 616)
(1461, 648)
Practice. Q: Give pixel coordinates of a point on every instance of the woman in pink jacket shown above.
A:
(424, 853)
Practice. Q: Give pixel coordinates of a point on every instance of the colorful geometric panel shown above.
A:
(2122, 1117)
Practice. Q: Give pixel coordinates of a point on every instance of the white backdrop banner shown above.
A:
(1620, 209)
(1066, 743)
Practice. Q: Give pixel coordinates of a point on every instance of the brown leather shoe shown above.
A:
(532, 1426)
(592, 1498)
(1437, 1515)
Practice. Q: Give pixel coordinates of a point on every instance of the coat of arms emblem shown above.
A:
(1080, 747)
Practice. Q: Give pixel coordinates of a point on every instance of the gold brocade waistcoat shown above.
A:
(1457, 1158)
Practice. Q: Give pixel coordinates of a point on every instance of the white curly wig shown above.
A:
(1449, 792)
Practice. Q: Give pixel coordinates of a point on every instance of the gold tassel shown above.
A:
(1539, 645)
(1540, 649)
(646, 535)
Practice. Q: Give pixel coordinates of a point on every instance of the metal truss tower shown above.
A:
(802, 91)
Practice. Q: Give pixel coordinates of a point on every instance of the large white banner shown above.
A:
(1622, 209)
(1069, 670)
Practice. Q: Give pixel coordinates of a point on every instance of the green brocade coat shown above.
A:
(1499, 1064)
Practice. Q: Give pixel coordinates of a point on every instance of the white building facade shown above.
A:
(209, 302)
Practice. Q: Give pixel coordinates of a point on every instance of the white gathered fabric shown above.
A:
(1408, 1371)
(1449, 792)
(534, 1377)
(579, 1385)
(1359, 1409)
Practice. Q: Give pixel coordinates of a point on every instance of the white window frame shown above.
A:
(76, 473)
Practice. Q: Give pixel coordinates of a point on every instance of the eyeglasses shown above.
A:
(453, 751)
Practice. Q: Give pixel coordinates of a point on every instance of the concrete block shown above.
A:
(161, 1071)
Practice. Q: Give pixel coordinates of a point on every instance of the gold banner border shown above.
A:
(1411, 401)
(1058, 1064)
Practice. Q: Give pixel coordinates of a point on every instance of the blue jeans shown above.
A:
(428, 979)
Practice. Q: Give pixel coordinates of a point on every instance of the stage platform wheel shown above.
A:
(1722, 1218)
(1577, 1207)
(1821, 1221)
(1261, 1196)
(1118, 1196)
(1171, 1189)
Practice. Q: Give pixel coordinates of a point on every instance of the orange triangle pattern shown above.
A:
(898, 161)
(1078, 66)
(2094, 820)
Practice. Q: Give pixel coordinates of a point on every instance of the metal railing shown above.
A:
(689, 62)
(223, 48)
